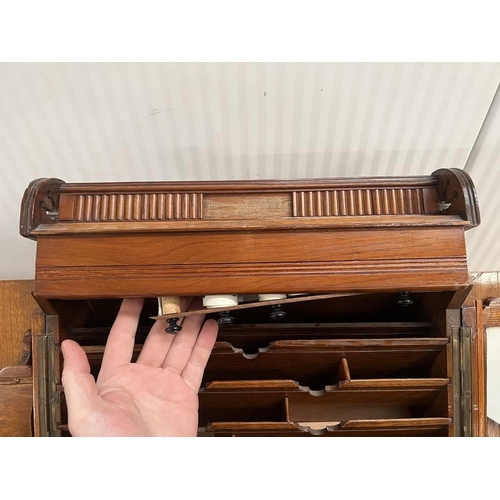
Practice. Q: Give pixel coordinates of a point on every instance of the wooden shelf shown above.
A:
(387, 427)
(312, 361)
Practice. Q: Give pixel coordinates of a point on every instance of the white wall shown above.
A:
(170, 121)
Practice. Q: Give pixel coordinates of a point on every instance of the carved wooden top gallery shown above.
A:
(193, 238)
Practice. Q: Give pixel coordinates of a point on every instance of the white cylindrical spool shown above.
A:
(220, 301)
(271, 296)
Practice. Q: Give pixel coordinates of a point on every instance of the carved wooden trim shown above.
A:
(240, 270)
(263, 224)
(40, 205)
(457, 195)
(157, 280)
(131, 207)
(343, 202)
(250, 186)
(50, 205)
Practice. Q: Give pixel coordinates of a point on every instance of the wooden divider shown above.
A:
(313, 362)
(301, 380)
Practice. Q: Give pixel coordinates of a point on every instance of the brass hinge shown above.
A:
(53, 393)
(466, 380)
(48, 394)
(42, 376)
(462, 381)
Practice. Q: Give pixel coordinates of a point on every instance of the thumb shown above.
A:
(78, 382)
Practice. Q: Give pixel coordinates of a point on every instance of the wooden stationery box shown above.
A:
(387, 354)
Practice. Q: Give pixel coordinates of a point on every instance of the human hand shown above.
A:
(155, 396)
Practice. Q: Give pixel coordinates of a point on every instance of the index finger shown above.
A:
(120, 344)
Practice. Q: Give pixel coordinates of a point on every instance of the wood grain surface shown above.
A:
(16, 307)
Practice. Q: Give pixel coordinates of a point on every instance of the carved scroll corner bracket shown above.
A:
(457, 195)
(40, 205)
(445, 198)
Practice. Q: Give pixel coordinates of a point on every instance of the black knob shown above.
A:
(173, 327)
(277, 313)
(404, 299)
(225, 318)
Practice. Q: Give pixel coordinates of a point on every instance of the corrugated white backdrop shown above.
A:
(185, 121)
